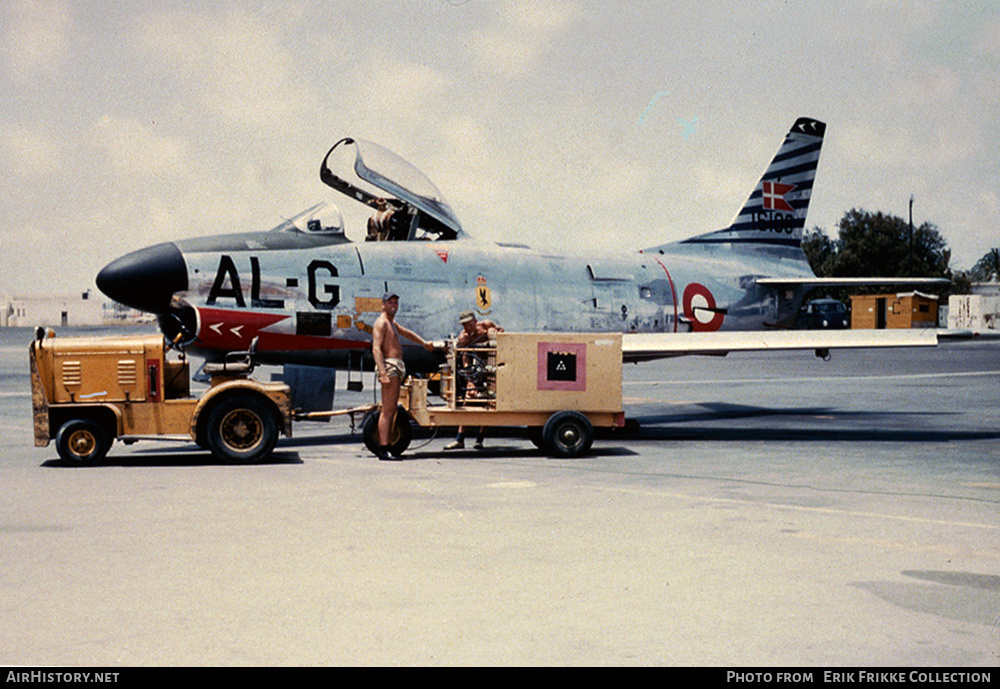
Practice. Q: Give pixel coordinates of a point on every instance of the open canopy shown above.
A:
(379, 167)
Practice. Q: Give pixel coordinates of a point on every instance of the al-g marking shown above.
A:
(323, 293)
(309, 291)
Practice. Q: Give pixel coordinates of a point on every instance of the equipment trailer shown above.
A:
(561, 386)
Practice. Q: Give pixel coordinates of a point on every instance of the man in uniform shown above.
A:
(388, 354)
(474, 332)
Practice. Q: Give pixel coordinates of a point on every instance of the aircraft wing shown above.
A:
(850, 282)
(648, 346)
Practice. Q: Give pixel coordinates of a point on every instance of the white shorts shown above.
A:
(395, 367)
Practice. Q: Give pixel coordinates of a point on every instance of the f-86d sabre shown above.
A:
(309, 294)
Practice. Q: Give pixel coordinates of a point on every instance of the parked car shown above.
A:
(824, 314)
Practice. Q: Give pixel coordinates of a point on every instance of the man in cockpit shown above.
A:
(391, 222)
(378, 224)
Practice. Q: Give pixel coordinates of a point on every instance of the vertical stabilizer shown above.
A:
(775, 213)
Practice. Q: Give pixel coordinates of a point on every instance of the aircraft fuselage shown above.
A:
(321, 302)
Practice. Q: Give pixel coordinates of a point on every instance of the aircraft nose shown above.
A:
(145, 279)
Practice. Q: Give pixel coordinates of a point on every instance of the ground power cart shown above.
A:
(559, 386)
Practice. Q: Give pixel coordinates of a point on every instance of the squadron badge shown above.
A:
(484, 299)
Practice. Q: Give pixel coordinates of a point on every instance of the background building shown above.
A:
(82, 309)
(903, 310)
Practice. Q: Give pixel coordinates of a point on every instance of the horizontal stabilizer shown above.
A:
(648, 346)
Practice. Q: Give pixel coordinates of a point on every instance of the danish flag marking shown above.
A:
(774, 196)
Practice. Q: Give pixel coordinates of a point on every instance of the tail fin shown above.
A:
(775, 213)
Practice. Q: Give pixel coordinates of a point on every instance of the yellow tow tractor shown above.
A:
(89, 391)
(561, 386)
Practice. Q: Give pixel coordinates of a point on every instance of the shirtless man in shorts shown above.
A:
(388, 353)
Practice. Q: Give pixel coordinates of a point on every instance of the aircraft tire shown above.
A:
(402, 432)
(241, 429)
(568, 434)
(81, 442)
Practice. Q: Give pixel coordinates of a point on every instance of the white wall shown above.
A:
(975, 312)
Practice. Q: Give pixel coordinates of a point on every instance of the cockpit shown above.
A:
(322, 219)
(401, 202)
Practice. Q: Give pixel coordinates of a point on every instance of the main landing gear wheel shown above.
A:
(241, 429)
(399, 436)
(568, 434)
(81, 442)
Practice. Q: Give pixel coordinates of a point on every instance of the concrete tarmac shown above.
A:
(774, 510)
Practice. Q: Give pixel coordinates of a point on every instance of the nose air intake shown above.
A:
(145, 279)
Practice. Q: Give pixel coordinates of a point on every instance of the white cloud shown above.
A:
(31, 151)
(880, 148)
(132, 149)
(236, 65)
(522, 34)
(988, 40)
(990, 201)
(37, 38)
(397, 88)
(545, 17)
(927, 85)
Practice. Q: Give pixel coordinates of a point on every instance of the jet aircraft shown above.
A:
(309, 294)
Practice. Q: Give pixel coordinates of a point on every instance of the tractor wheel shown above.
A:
(81, 442)
(241, 429)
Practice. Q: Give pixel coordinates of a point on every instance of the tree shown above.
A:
(878, 245)
(820, 250)
(987, 268)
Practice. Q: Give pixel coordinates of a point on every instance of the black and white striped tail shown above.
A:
(775, 213)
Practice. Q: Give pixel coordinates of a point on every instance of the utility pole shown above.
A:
(910, 267)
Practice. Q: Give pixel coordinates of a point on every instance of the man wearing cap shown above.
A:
(474, 332)
(388, 354)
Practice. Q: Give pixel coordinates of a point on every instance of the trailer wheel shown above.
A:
(399, 437)
(568, 434)
(241, 429)
(81, 442)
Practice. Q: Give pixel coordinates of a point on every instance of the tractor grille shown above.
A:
(72, 373)
(128, 373)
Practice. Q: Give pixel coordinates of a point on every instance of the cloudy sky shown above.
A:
(547, 122)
